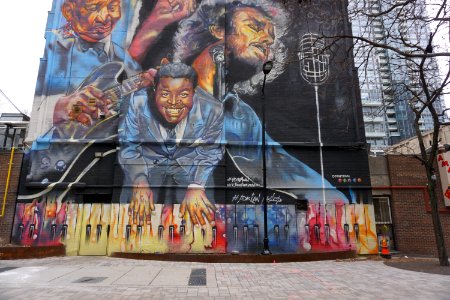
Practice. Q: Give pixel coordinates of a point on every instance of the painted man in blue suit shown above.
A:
(170, 144)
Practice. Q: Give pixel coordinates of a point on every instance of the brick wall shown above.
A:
(7, 220)
(413, 227)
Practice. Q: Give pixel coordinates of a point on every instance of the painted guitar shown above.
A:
(60, 156)
(109, 78)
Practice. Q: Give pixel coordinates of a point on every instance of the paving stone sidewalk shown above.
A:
(113, 278)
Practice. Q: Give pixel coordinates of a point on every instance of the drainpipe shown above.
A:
(7, 182)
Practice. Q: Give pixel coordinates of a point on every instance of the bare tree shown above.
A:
(404, 36)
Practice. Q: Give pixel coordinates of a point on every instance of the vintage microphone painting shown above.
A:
(314, 69)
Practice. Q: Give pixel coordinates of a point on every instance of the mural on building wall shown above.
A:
(100, 229)
(148, 130)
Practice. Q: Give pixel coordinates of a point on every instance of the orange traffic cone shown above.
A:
(384, 249)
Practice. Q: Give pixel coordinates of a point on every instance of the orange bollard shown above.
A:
(384, 249)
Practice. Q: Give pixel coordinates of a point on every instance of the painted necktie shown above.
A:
(171, 141)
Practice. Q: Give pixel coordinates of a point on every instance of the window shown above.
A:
(382, 209)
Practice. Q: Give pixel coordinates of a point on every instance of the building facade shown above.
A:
(387, 80)
(155, 130)
(402, 205)
(13, 127)
(400, 195)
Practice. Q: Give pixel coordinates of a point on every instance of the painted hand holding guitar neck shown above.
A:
(98, 96)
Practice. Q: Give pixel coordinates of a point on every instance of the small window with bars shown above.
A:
(382, 208)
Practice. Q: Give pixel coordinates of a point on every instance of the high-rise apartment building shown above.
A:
(387, 80)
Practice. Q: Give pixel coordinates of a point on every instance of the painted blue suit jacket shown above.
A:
(143, 152)
(68, 61)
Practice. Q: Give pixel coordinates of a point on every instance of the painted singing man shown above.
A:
(227, 43)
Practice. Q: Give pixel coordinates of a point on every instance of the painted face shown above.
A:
(93, 20)
(174, 98)
(252, 35)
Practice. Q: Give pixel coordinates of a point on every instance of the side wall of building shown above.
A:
(114, 166)
(411, 215)
(7, 205)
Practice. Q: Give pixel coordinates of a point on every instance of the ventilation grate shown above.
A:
(197, 277)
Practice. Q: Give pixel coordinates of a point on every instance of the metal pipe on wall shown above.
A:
(8, 176)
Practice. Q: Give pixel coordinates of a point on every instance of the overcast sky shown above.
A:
(22, 27)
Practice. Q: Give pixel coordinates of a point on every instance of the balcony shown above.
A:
(379, 36)
(387, 90)
(373, 119)
(386, 82)
(371, 103)
(378, 30)
(375, 134)
(390, 111)
(383, 62)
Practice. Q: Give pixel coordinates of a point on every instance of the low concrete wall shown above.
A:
(31, 252)
(240, 258)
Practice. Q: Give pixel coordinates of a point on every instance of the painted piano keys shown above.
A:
(329, 226)
(165, 231)
(335, 224)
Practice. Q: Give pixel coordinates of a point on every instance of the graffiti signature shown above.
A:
(256, 199)
(240, 182)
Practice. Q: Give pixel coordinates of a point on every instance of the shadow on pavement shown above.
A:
(422, 265)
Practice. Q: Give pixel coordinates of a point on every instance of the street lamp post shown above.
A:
(266, 69)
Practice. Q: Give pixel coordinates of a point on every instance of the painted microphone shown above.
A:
(314, 60)
(314, 69)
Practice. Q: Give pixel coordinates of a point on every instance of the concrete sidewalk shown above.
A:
(115, 278)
